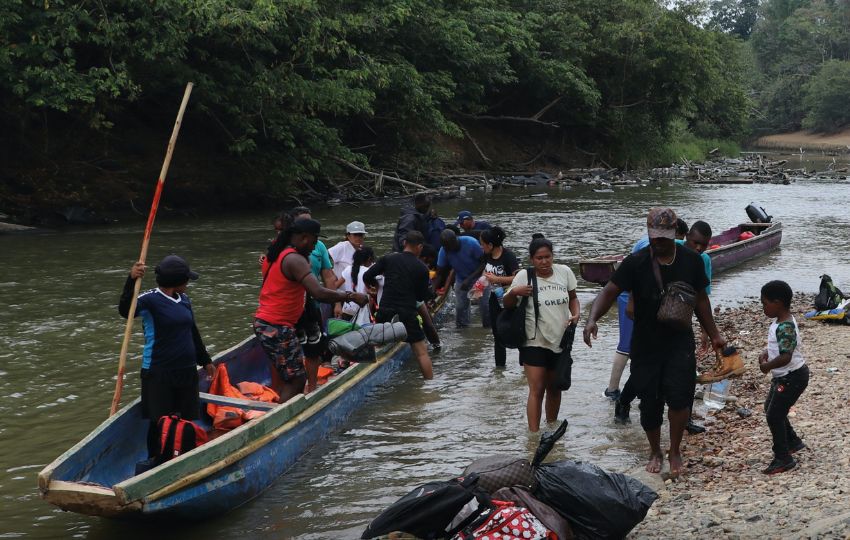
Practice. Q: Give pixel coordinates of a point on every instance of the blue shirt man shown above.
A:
(464, 261)
(463, 254)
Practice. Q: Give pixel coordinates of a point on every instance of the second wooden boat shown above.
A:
(729, 251)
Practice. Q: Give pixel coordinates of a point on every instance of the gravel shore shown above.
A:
(722, 493)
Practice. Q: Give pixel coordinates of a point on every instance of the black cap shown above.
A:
(308, 226)
(175, 267)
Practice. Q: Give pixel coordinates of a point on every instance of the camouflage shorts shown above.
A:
(283, 348)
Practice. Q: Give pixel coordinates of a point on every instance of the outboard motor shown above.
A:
(757, 214)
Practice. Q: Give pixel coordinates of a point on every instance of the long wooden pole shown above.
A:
(128, 329)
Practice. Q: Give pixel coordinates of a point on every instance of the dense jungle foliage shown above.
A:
(802, 50)
(287, 88)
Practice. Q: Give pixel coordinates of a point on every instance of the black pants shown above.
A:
(628, 394)
(784, 393)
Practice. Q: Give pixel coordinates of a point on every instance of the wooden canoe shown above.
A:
(96, 476)
(729, 252)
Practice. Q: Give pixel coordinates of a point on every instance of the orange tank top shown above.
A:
(281, 299)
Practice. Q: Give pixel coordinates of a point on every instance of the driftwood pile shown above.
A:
(363, 183)
(752, 168)
(366, 184)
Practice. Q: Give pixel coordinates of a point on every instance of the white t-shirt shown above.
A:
(554, 305)
(342, 255)
(350, 308)
(797, 359)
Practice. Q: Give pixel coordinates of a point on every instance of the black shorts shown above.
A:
(410, 319)
(170, 392)
(667, 377)
(538, 357)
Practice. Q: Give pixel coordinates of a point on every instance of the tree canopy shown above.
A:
(288, 86)
(802, 48)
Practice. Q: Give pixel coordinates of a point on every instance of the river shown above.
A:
(60, 335)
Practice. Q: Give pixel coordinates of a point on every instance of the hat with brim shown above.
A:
(175, 269)
(661, 223)
(307, 226)
(355, 227)
(465, 214)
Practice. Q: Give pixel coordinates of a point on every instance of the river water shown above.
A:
(60, 335)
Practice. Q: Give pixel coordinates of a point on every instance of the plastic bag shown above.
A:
(597, 503)
(477, 289)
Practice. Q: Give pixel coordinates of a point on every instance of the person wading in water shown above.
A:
(663, 360)
(285, 280)
(558, 307)
(405, 284)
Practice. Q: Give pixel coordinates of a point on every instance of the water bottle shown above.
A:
(715, 394)
(499, 292)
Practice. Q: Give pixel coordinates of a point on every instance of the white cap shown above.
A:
(355, 227)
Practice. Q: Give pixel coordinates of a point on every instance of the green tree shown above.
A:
(827, 97)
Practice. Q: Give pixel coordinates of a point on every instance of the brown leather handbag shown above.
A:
(678, 300)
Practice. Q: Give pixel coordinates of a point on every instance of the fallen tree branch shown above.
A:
(475, 144)
(379, 175)
(542, 111)
(523, 119)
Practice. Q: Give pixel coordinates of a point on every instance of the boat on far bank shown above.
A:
(726, 250)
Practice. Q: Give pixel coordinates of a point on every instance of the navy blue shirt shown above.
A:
(172, 340)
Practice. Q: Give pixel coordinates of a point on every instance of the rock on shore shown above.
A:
(722, 493)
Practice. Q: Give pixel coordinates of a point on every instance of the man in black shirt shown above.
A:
(405, 284)
(663, 361)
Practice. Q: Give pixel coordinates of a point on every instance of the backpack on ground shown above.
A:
(496, 472)
(547, 515)
(433, 510)
(829, 296)
(506, 521)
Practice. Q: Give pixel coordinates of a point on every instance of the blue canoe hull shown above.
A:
(96, 475)
(244, 480)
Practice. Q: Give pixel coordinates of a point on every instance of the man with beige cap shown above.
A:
(663, 361)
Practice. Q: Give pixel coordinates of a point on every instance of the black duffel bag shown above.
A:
(509, 326)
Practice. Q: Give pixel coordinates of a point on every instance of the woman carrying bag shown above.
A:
(500, 267)
(557, 307)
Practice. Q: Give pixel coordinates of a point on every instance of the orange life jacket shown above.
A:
(226, 418)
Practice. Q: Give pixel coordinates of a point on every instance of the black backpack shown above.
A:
(510, 323)
(429, 510)
(829, 296)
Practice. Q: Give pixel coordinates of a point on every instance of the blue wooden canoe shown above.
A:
(95, 477)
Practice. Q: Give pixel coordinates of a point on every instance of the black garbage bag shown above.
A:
(597, 503)
(433, 510)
